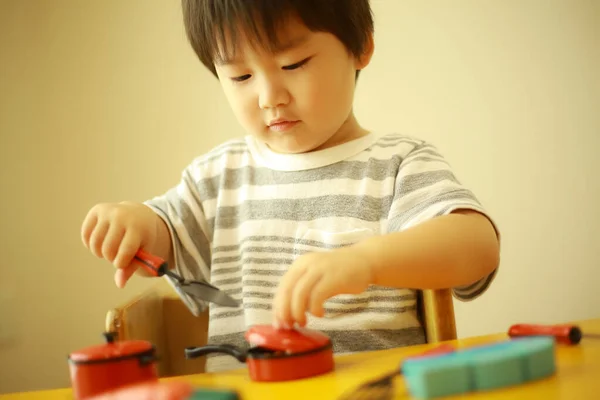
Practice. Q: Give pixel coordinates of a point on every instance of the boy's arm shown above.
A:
(449, 251)
(445, 252)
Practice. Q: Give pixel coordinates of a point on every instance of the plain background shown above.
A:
(105, 101)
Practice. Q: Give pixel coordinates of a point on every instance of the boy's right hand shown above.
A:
(116, 231)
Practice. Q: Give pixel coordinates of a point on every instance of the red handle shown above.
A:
(567, 334)
(151, 263)
(444, 348)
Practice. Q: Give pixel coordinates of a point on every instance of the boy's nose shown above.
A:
(272, 95)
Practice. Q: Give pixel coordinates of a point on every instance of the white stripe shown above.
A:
(295, 229)
(209, 167)
(422, 195)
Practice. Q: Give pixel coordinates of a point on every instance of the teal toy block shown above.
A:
(213, 394)
(480, 368)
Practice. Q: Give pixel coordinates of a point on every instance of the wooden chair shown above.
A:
(158, 317)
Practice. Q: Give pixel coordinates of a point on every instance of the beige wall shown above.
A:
(104, 101)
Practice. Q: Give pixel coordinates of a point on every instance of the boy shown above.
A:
(311, 219)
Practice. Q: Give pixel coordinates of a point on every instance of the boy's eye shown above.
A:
(241, 78)
(296, 65)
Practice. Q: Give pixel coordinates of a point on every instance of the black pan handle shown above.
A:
(236, 352)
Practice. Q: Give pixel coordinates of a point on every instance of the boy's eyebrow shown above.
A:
(279, 48)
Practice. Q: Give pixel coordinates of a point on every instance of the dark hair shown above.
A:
(208, 22)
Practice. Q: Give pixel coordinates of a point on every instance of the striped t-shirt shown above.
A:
(242, 214)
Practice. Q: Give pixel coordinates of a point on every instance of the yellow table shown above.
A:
(577, 377)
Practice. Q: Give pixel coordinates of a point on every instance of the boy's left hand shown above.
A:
(315, 277)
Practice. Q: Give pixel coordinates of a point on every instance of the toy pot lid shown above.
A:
(112, 351)
(297, 340)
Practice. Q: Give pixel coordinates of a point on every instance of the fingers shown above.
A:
(88, 227)
(129, 245)
(112, 241)
(321, 291)
(97, 238)
(282, 299)
(115, 232)
(124, 261)
(122, 275)
(300, 298)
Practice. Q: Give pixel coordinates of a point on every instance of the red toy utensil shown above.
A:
(201, 290)
(563, 333)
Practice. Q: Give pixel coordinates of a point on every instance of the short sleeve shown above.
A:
(181, 210)
(425, 188)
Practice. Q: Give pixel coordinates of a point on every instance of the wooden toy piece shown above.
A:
(481, 368)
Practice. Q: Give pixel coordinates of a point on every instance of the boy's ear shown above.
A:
(365, 59)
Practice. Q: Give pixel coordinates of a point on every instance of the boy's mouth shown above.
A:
(282, 125)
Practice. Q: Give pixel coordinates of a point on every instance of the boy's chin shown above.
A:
(290, 145)
(289, 149)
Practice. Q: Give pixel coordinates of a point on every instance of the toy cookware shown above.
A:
(278, 355)
(101, 368)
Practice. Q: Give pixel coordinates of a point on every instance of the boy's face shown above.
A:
(297, 99)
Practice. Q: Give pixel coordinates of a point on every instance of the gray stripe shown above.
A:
(429, 159)
(367, 303)
(398, 221)
(238, 280)
(467, 288)
(346, 340)
(398, 136)
(370, 289)
(413, 182)
(380, 339)
(214, 315)
(258, 249)
(372, 309)
(250, 272)
(424, 148)
(391, 142)
(242, 280)
(366, 208)
(384, 145)
(460, 294)
(358, 300)
(328, 310)
(246, 260)
(172, 203)
(235, 178)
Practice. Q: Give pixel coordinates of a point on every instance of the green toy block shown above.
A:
(481, 368)
(213, 394)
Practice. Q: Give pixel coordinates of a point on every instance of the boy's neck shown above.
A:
(350, 130)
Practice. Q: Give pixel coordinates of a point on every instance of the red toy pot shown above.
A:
(277, 355)
(106, 367)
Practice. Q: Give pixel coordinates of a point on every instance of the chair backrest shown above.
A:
(436, 311)
(158, 317)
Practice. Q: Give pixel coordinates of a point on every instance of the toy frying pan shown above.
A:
(277, 355)
(200, 290)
